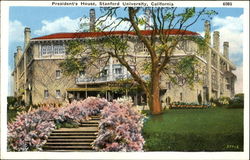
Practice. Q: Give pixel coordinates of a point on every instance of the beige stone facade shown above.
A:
(39, 79)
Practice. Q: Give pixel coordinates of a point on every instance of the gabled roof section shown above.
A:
(100, 34)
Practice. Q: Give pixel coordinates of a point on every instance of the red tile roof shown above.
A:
(99, 34)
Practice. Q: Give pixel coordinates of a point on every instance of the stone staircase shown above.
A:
(73, 139)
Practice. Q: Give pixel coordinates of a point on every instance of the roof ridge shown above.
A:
(61, 35)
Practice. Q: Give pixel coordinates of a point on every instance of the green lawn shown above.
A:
(213, 129)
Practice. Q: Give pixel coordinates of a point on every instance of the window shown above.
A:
(81, 73)
(58, 74)
(44, 50)
(118, 71)
(46, 93)
(56, 49)
(62, 50)
(49, 49)
(181, 96)
(58, 94)
(105, 72)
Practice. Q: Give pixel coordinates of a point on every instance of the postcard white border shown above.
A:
(120, 155)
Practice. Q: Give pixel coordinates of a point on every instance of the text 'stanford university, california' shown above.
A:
(39, 79)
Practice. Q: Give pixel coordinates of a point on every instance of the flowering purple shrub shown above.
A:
(31, 130)
(84, 109)
(120, 128)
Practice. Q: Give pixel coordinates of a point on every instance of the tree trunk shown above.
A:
(154, 96)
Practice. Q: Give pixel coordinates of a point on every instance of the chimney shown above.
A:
(15, 59)
(226, 49)
(26, 36)
(216, 40)
(92, 20)
(18, 54)
(207, 31)
(147, 13)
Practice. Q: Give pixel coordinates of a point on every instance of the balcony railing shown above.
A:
(84, 80)
(103, 79)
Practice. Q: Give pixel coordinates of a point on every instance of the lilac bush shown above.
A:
(30, 130)
(120, 128)
(84, 109)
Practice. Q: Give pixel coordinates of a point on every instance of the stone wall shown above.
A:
(44, 78)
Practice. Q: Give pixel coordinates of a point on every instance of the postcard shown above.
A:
(124, 79)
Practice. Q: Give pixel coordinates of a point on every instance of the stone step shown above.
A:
(67, 147)
(67, 140)
(96, 119)
(68, 144)
(69, 150)
(89, 125)
(73, 134)
(72, 137)
(75, 131)
(96, 116)
(90, 122)
(82, 129)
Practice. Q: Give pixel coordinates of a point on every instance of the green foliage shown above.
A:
(237, 101)
(187, 14)
(147, 67)
(67, 124)
(210, 12)
(13, 102)
(214, 129)
(15, 105)
(185, 71)
(73, 63)
(201, 42)
(141, 21)
(71, 66)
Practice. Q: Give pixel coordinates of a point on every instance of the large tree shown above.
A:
(160, 44)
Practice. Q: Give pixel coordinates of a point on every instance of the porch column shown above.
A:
(110, 68)
(86, 92)
(78, 95)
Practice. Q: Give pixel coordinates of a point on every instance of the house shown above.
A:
(39, 79)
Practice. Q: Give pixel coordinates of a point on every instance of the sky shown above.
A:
(48, 20)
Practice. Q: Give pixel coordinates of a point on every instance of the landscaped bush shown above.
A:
(31, 129)
(184, 105)
(237, 101)
(120, 128)
(14, 102)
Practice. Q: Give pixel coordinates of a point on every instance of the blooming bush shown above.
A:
(31, 130)
(120, 128)
(184, 105)
(125, 99)
(224, 100)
